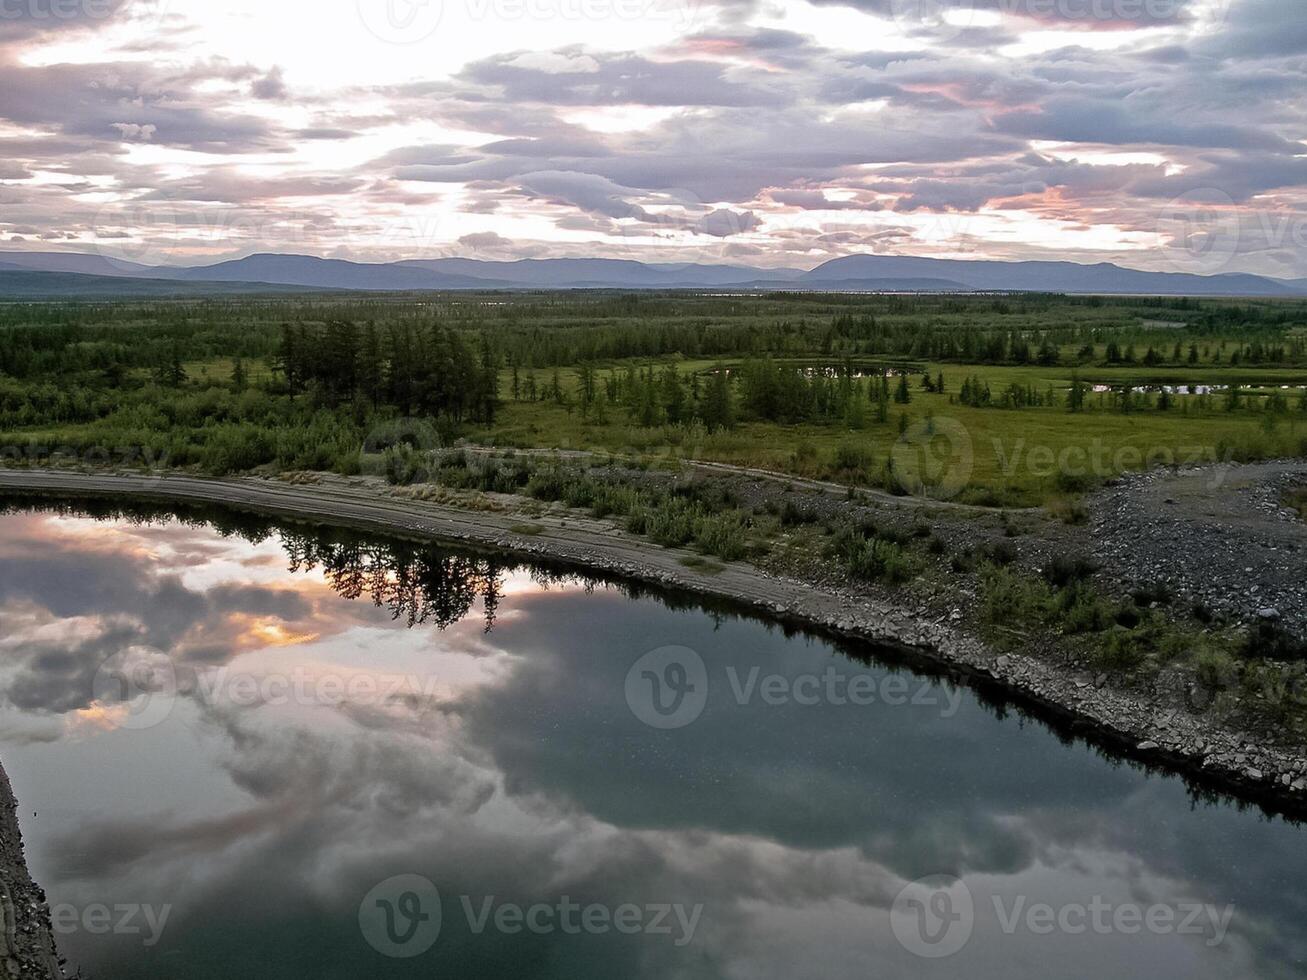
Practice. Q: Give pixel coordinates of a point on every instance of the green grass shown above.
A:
(699, 563)
(84, 377)
(1027, 456)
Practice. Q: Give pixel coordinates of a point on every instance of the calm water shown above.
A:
(231, 761)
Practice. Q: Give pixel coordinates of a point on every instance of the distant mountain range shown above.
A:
(31, 274)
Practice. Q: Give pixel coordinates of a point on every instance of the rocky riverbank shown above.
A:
(1157, 726)
(27, 949)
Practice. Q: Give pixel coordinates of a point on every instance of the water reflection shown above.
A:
(506, 763)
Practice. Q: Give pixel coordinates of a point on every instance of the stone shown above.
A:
(1269, 614)
(1146, 746)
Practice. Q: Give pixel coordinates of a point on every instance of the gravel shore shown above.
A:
(27, 947)
(1153, 728)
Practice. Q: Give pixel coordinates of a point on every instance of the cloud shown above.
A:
(485, 241)
(271, 86)
(1041, 118)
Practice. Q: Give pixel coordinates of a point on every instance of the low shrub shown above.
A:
(1010, 599)
(1067, 570)
(1268, 641)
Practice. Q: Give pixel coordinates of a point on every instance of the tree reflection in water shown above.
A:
(419, 583)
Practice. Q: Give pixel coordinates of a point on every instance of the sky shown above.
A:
(1161, 134)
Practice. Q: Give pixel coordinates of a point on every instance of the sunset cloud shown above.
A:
(657, 129)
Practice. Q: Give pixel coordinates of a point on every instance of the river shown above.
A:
(250, 749)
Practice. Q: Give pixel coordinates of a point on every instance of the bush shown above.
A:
(1074, 482)
(578, 492)
(609, 499)
(1158, 593)
(874, 559)
(672, 522)
(546, 484)
(1011, 599)
(1082, 611)
(1214, 669)
(1066, 570)
(964, 562)
(1123, 651)
(1002, 553)
(1068, 510)
(404, 465)
(850, 458)
(794, 514)
(723, 535)
(1267, 641)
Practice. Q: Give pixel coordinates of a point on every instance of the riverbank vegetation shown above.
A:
(1020, 400)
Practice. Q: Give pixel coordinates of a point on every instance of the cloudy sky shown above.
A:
(1164, 134)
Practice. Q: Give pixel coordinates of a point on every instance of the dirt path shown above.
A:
(769, 476)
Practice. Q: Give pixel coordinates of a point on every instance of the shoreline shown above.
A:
(1208, 757)
(27, 947)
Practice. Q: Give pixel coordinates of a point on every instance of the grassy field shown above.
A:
(211, 385)
(1017, 456)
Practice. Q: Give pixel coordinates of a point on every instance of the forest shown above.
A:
(816, 385)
